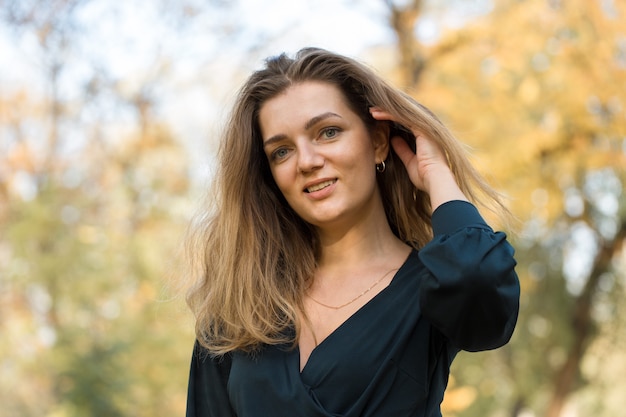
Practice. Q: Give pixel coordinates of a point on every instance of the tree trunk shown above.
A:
(412, 59)
(567, 375)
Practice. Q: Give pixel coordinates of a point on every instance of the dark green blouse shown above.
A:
(393, 356)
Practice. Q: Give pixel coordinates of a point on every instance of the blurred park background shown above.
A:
(109, 119)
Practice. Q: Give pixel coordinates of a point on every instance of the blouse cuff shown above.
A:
(455, 215)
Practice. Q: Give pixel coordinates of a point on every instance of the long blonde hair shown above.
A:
(252, 256)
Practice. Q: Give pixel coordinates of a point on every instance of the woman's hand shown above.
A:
(428, 167)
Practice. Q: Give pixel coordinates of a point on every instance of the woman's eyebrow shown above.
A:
(275, 138)
(319, 118)
(310, 123)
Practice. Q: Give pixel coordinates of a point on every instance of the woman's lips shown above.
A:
(319, 186)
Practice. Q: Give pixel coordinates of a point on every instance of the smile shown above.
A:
(319, 186)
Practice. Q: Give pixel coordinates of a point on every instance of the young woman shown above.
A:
(342, 263)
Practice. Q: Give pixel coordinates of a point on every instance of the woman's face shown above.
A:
(321, 154)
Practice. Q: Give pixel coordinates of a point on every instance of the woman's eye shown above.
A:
(279, 153)
(330, 132)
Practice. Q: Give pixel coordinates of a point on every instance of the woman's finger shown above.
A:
(380, 114)
(402, 149)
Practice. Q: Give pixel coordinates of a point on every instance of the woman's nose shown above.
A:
(309, 158)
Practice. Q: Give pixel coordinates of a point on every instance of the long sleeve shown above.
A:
(471, 293)
(208, 377)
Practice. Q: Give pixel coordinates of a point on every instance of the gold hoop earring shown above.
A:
(381, 167)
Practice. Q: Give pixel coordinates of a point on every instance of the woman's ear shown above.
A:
(380, 139)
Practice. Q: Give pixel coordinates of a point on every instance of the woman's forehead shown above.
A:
(300, 103)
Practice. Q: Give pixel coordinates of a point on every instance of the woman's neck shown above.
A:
(371, 244)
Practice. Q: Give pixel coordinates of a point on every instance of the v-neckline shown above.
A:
(322, 344)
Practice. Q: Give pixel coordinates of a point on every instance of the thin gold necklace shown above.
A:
(355, 298)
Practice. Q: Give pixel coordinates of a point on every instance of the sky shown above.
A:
(206, 55)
